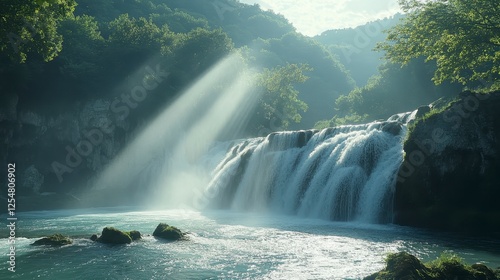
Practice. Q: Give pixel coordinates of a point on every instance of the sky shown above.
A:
(312, 17)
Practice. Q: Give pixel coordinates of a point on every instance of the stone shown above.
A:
(449, 178)
(135, 235)
(405, 266)
(111, 235)
(168, 232)
(53, 240)
(393, 128)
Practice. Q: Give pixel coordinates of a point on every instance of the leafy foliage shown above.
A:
(29, 27)
(103, 48)
(394, 90)
(137, 33)
(82, 47)
(279, 102)
(327, 77)
(462, 36)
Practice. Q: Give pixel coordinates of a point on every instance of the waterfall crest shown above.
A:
(345, 173)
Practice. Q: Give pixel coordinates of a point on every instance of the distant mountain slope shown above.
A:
(353, 47)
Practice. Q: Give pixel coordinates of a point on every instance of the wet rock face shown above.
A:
(53, 153)
(393, 128)
(449, 178)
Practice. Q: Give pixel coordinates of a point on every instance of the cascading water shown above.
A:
(345, 173)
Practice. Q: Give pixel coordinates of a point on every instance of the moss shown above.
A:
(497, 273)
(134, 235)
(168, 232)
(448, 266)
(111, 235)
(438, 107)
(53, 240)
(403, 266)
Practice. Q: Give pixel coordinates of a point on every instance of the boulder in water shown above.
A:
(168, 232)
(53, 240)
(111, 235)
(393, 128)
(134, 234)
(94, 237)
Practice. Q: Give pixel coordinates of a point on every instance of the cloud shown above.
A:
(312, 17)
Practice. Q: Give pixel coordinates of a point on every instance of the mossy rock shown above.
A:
(405, 266)
(482, 269)
(111, 235)
(497, 272)
(53, 240)
(402, 266)
(134, 235)
(168, 232)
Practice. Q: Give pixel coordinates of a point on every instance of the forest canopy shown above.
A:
(75, 50)
(461, 36)
(30, 27)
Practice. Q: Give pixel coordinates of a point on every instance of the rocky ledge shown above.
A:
(449, 178)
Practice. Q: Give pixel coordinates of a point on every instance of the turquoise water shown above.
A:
(222, 245)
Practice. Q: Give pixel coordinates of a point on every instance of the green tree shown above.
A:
(132, 42)
(137, 34)
(327, 79)
(280, 102)
(82, 48)
(394, 90)
(195, 52)
(179, 21)
(462, 36)
(29, 27)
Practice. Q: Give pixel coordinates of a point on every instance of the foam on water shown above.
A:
(222, 245)
(346, 173)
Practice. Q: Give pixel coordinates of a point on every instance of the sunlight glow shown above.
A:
(314, 17)
(218, 103)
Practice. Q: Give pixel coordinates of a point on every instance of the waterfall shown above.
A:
(346, 173)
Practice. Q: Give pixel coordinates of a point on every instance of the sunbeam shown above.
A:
(217, 104)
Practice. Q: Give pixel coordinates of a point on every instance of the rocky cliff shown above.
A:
(450, 178)
(52, 154)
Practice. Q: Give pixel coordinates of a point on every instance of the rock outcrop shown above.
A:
(56, 151)
(405, 266)
(53, 240)
(111, 235)
(450, 176)
(134, 235)
(167, 232)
